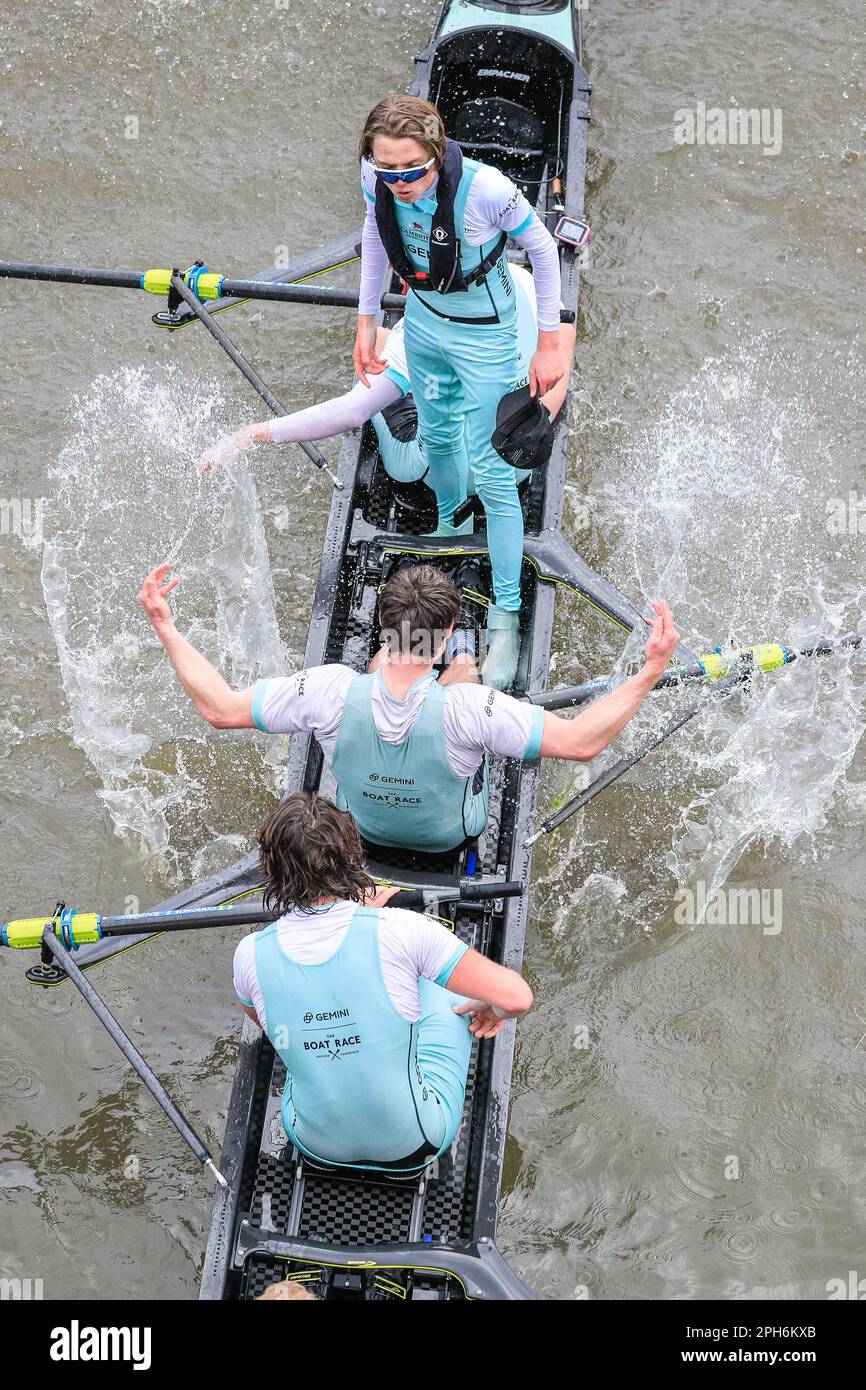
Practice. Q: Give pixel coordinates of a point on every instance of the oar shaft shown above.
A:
(184, 919)
(830, 647)
(129, 1050)
(612, 774)
(280, 291)
(616, 770)
(83, 929)
(302, 294)
(570, 697)
(71, 275)
(225, 342)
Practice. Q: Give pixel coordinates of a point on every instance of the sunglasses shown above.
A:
(404, 175)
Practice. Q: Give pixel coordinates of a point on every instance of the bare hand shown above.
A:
(380, 894)
(227, 448)
(364, 354)
(545, 370)
(485, 1023)
(664, 638)
(154, 592)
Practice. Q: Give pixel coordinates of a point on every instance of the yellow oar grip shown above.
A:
(26, 932)
(208, 286)
(156, 281)
(204, 284)
(767, 656)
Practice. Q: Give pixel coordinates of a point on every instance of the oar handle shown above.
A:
(467, 892)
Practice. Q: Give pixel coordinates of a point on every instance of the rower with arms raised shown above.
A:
(408, 749)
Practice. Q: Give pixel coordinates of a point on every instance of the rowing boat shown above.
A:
(511, 88)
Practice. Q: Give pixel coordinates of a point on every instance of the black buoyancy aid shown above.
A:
(445, 275)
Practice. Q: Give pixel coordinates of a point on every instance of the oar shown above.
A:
(248, 371)
(203, 283)
(765, 656)
(612, 774)
(75, 929)
(336, 255)
(129, 1050)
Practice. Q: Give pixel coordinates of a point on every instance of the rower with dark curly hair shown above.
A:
(371, 1008)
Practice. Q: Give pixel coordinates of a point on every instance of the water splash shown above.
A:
(725, 515)
(127, 495)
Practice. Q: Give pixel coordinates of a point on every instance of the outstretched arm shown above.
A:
(211, 694)
(585, 737)
(347, 412)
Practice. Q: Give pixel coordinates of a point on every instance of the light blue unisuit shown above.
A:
(406, 460)
(364, 1086)
(463, 355)
(405, 793)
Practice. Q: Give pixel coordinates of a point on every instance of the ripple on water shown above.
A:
(739, 1246)
(19, 1079)
(695, 1169)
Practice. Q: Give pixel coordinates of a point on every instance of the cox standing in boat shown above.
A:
(443, 221)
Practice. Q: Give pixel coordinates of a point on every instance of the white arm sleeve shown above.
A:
(310, 702)
(496, 204)
(415, 947)
(340, 413)
(374, 257)
(478, 718)
(245, 969)
(543, 253)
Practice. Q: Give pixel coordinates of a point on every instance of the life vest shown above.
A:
(446, 275)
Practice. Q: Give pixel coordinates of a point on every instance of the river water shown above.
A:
(689, 1102)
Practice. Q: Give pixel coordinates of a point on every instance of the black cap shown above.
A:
(524, 430)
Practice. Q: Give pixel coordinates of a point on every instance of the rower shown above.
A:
(372, 1009)
(442, 221)
(408, 749)
(390, 403)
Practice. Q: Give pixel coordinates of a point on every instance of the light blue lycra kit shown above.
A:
(406, 460)
(364, 1086)
(463, 355)
(405, 794)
